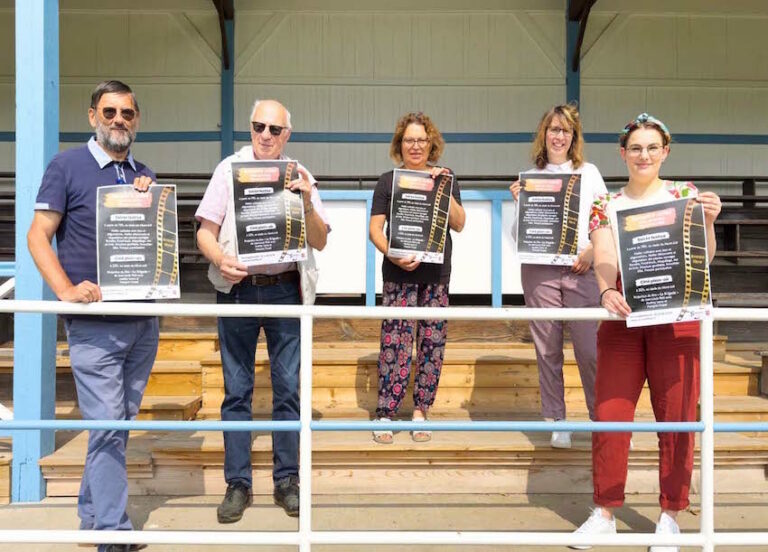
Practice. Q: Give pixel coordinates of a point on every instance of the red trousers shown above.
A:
(668, 357)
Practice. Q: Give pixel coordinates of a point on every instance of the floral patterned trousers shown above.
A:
(397, 346)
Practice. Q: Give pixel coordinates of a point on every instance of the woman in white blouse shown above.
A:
(558, 148)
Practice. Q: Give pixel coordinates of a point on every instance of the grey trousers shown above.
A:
(556, 287)
(111, 362)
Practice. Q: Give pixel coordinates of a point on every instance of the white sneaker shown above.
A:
(596, 524)
(666, 526)
(561, 439)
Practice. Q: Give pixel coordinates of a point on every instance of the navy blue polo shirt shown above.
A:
(69, 187)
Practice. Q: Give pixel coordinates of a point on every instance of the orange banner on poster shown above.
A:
(258, 174)
(543, 185)
(423, 184)
(652, 219)
(128, 199)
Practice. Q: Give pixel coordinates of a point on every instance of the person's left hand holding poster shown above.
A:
(138, 246)
(269, 217)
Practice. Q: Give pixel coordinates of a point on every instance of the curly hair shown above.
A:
(419, 118)
(569, 114)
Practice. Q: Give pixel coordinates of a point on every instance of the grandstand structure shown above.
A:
(484, 71)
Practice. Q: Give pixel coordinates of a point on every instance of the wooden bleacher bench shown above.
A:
(756, 300)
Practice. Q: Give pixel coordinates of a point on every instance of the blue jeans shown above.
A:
(238, 337)
(111, 362)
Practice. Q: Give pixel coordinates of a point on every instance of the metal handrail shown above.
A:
(706, 538)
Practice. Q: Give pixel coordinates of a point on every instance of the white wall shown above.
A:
(355, 66)
(701, 67)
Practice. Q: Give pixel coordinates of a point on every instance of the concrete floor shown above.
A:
(742, 512)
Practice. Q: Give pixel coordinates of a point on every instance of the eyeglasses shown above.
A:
(410, 142)
(556, 131)
(654, 150)
(110, 113)
(274, 130)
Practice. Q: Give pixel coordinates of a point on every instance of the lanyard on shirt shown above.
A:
(120, 179)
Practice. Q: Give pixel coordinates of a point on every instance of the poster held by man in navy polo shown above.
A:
(548, 218)
(419, 215)
(269, 218)
(138, 246)
(663, 262)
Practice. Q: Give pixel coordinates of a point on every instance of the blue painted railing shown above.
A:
(386, 137)
(495, 197)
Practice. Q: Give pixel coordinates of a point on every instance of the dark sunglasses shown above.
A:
(274, 130)
(110, 113)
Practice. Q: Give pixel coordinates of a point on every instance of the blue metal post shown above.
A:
(37, 141)
(228, 94)
(572, 78)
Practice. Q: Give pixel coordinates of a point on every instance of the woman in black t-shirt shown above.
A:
(416, 145)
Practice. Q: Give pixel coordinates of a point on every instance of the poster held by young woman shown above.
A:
(663, 262)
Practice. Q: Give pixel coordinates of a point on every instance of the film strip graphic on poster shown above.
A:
(167, 262)
(662, 251)
(695, 255)
(138, 246)
(269, 217)
(548, 209)
(295, 227)
(569, 235)
(418, 215)
(438, 229)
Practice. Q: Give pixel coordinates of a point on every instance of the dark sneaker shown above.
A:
(121, 547)
(236, 500)
(117, 547)
(287, 494)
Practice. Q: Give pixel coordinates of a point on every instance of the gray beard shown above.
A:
(119, 144)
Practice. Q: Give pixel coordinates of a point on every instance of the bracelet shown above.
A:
(606, 290)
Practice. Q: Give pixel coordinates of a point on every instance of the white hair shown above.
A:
(287, 113)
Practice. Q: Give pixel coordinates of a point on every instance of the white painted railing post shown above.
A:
(706, 375)
(305, 437)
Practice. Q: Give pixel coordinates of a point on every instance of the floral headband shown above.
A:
(642, 119)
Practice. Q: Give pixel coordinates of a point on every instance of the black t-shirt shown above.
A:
(425, 273)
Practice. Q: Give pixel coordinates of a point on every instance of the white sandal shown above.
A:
(384, 436)
(421, 435)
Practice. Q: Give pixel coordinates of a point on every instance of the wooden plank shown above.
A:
(185, 349)
(734, 379)
(479, 401)
(163, 384)
(196, 481)
(354, 330)
(171, 407)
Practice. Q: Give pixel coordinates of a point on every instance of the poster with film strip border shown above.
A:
(418, 218)
(548, 218)
(137, 243)
(664, 264)
(269, 218)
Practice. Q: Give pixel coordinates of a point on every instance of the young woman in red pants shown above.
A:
(667, 355)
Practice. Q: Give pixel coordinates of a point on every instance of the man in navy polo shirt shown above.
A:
(111, 357)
